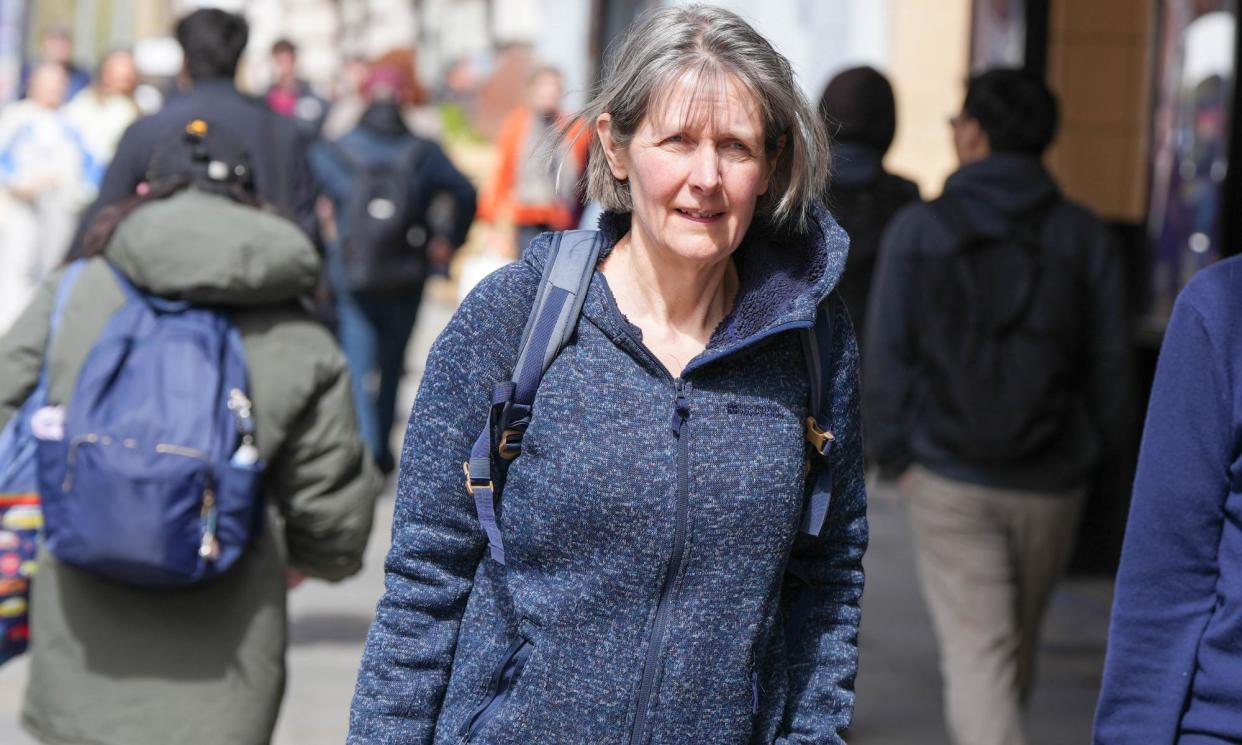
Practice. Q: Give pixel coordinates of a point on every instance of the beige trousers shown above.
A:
(988, 559)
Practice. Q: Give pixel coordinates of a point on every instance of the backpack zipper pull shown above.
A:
(209, 549)
(681, 409)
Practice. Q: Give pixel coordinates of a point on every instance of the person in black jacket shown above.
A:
(857, 105)
(998, 377)
(212, 41)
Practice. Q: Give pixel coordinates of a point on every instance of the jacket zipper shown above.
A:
(491, 705)
(659, 630)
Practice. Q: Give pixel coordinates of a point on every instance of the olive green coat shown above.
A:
(116, 665)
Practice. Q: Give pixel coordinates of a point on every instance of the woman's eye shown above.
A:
(737, 148)
(675, 140)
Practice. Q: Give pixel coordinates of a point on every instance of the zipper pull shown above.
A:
(209, 549)
(681, 409)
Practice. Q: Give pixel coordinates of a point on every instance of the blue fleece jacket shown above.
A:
(645, 597)
(1174, 668)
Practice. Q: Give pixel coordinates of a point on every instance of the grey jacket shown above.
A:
(116, 665)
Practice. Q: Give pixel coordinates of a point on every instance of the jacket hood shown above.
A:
(1001, 187)
(855, 164)
(784, 274)
(208, 249)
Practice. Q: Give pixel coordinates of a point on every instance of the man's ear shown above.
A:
(612, 152)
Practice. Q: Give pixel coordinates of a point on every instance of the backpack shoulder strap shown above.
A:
(817, 350)
(563, 285)
(59, 301)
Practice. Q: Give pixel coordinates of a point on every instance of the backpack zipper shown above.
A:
(209, 546)
(659, 630)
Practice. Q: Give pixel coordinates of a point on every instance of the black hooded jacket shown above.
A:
(992, 193)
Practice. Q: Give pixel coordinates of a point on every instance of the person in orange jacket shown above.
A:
(528, 190)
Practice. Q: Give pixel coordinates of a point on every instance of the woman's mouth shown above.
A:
(703, 216)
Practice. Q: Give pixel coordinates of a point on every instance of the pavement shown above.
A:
(899, 699)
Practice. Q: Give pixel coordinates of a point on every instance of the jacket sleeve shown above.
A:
(1166, 584)
(21, 352)
(497, 202)
(890, 365)
(126, 170)
(442, 177)
(436, 539)
(327, 484)
(822, 605)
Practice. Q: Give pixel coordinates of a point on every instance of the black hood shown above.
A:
(1000, 187)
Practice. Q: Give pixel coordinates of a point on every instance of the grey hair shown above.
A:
(713, 43)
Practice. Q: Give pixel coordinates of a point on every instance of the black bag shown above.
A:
(998, 322)
(385, 244)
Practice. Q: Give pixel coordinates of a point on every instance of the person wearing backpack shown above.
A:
(197, 455)
(631, 505)
(998, 375)
(858, 106)
(401, 208)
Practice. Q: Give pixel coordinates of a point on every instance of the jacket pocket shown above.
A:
(504, 680)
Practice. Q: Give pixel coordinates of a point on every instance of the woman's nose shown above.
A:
(705, 168)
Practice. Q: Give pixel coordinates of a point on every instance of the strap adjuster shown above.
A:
(817, 436)
(510, 445)
(465, 467)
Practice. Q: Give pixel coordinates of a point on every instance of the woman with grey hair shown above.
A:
(671, 562)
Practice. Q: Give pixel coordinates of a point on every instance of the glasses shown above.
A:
(955, 120)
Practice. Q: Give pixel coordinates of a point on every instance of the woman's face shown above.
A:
(696, 167)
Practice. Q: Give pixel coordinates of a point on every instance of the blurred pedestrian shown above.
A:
(348, 102)
(997, 378)
(530, 192)
(212, 41)
(56, 48)
(45, 177)
(858, 106)
(382, 180)
(123, 664)
(103, 111)
(292, 96)
(632, 586)
(1171, 675)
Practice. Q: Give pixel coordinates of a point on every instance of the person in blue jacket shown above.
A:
(649, 522)
(376, 316)
(1173, 673)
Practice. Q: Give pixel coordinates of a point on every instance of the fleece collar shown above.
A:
(784, 275)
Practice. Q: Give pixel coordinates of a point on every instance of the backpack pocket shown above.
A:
(504, 681)
(133, 513)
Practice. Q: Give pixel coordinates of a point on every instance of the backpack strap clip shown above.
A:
(818, 437)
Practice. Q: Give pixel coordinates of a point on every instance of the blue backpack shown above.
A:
(20, 516)
(571, 261)
(156, 480)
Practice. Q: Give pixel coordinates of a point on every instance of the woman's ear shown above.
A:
(771, 165)
(612, 152)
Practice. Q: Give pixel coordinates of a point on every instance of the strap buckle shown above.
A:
(465, 467)
(510, 445)
(817, 436)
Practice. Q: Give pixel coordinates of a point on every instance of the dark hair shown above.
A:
(1014, 109)
(212, 41)
(857, 106)
(284, 46)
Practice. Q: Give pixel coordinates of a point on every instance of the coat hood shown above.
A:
(1001, 187)
(784, 274)
(208, 249)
